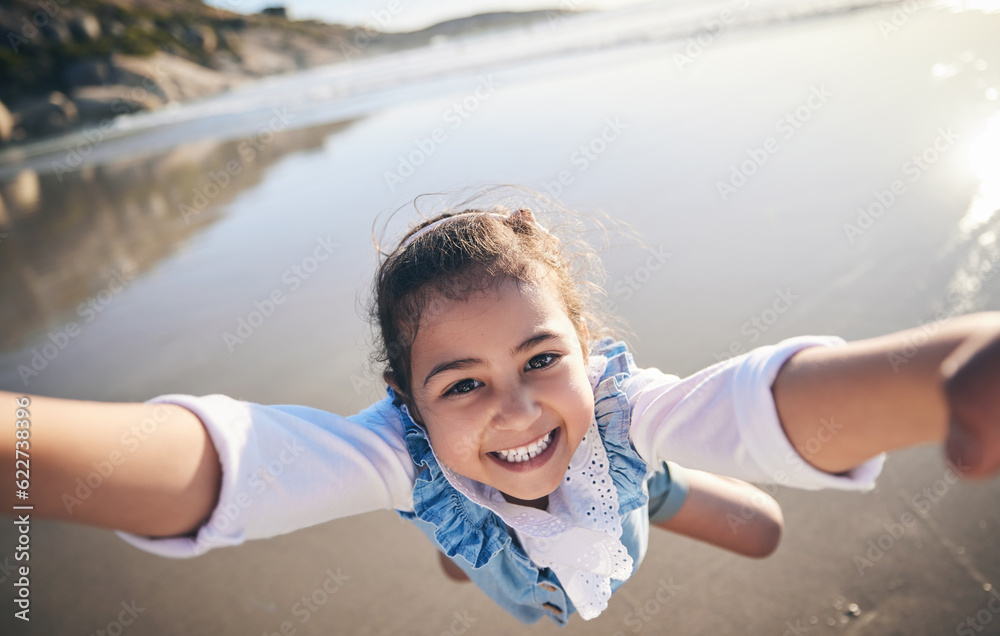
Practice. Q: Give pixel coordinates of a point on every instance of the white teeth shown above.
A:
(524, 453)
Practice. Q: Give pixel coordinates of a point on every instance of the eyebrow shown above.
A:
(465, 363)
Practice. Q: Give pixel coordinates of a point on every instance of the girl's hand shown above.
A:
(972, 390)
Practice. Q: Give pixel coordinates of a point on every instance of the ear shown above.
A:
(390, 379)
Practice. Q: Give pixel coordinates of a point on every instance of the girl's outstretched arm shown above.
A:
(841, 406)
(100, 464)
(728, 513)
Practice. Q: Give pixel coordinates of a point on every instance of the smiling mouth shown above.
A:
(530, 456)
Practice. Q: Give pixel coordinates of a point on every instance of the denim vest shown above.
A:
(487, 550)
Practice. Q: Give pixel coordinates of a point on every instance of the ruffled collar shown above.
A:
(578, 537)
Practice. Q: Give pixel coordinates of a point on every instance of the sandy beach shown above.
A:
(844, 163)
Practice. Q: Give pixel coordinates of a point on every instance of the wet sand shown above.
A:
(862, 104)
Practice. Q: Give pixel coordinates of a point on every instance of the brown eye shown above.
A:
(543, 360)
(463, 386)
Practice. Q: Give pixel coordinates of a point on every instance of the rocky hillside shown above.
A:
(69, 63)
(66, 63)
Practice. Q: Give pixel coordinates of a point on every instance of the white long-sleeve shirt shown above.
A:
(290, 467)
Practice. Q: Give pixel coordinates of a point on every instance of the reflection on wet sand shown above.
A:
(19, 196)
(65, 237)
(979, 228)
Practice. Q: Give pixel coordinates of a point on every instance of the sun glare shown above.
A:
(984, 157)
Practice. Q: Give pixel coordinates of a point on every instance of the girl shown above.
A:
(530, 451)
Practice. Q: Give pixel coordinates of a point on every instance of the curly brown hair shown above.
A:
(473, 252)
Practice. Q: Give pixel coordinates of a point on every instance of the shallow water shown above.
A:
(845, 106)
(120, 280)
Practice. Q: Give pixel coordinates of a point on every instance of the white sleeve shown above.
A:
(289, 467)
(723, 420)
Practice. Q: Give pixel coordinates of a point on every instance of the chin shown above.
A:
(529, 494)
(538, 491)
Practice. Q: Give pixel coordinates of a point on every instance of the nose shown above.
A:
(517, 408)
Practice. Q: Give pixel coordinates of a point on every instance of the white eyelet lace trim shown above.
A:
(578, 537)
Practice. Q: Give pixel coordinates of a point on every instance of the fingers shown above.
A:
(972, 389)
(973, 446)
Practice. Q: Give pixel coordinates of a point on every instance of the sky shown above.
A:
(409, 15)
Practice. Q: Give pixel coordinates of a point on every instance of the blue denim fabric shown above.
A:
(487, 550)
(668, 488)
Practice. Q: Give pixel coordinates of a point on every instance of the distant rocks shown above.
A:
(172, 78)
(198, 38)
(86, 72)
(85, 27)
(97, 103)
(74, 64)
(82, 63)
(44, 116)
(104, 89)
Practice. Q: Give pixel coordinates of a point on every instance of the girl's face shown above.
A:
(499, 377)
